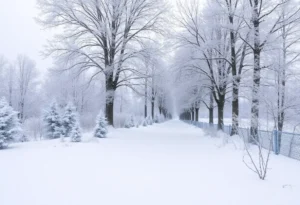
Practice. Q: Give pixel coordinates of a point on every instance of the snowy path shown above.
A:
(167, 164)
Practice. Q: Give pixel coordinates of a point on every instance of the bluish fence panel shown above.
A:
(288, 144)
(266, 139)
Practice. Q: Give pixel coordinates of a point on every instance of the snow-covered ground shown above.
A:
(166, 164)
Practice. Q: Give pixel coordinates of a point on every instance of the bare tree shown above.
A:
(259, 15)
(207, 38)
(258, 157)
(102, 34)
(26, 72)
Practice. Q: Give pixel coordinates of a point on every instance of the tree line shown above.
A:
(233, 50)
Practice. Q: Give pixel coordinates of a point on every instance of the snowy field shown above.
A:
(166, 164)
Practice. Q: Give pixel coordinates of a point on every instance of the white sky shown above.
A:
(20, 34)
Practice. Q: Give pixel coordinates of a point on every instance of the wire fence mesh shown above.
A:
(284, 143)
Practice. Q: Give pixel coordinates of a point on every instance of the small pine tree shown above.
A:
(156, 119)
(75, 133)
(161, 118)
(9, 124)
(145, 122)
(52, 122)
(70, 119)
(129, 123)
(101, 126)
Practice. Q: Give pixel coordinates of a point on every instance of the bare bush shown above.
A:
(258, 160)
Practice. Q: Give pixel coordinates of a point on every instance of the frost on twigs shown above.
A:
(256, 157)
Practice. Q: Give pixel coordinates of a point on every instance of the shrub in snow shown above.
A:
(101, 126)
(149, 120)
(24, 138)
(129, 123)
(145, 122)
(156, 119)
(52, 122)
(75, 133)
(161, 118)
(70, 119)
(9, 124)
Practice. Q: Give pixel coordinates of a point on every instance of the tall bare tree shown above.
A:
(102, 34)
(262, 11)
(26, 72)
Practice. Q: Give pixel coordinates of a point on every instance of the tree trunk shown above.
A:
(193, 115)
(281, 84)
(110, 112)
(197, 114)
(146, 99)
(211, 109)
(152, 102)
(235, 88)
(221, 104)
(256, 76)
(110, 97)
(235, 110)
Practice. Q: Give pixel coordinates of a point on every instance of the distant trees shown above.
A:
(9, 124)
(26, 75)
(206, 37)
(218, 39)
(19, 85)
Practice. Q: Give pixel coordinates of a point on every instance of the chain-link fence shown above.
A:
(284, 143)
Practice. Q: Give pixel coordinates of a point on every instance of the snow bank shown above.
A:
(165, 164)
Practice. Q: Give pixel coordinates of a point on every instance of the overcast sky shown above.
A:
(20, 34)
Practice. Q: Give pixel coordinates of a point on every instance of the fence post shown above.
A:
(275, 142)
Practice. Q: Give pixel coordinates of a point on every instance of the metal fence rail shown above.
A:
(289, 145)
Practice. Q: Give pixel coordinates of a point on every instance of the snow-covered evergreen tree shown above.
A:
(129, 122)
(101, 126)
(9, 124)
(149, 120)
(52, 122)
(70, 119)
(75, 133)
(156, 119)
(145, 122)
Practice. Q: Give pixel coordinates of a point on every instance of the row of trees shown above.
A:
(20, 80)
(223, 42)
